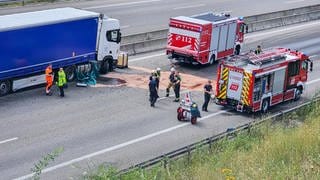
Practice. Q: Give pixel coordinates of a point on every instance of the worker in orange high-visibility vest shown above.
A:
(49, 79)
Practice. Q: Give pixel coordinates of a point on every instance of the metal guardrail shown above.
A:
(209, 141)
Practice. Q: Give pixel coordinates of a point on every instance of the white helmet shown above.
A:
(172, 69)
(158, 69)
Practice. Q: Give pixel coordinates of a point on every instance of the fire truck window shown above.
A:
(242, 28)
(304, 65)
(269, 82)
(257, 89)
(293, 68)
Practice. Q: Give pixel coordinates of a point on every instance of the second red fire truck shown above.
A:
(204, 38)
(253, 82)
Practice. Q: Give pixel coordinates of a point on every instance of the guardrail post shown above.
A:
(22, 3)
(165, 162)
(210, 143)
(189, 154)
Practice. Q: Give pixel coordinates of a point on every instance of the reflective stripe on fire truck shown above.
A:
(170, 39)
(223, 90)
(245, 88)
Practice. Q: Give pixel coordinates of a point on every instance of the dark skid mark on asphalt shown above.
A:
(110, 81)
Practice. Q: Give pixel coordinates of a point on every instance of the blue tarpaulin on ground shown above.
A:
(87, 74)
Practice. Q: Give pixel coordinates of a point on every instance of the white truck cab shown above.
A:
(108, 42)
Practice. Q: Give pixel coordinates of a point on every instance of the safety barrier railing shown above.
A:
(187, 150)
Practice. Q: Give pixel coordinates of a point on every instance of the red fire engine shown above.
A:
(253, 82)
(204, 38)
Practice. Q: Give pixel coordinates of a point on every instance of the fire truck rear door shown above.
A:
(234, 85)
(184, 39)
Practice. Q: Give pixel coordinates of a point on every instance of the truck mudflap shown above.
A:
(180, 57)
(234, 104)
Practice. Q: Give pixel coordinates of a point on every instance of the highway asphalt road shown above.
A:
(146, 15)
(116, 125)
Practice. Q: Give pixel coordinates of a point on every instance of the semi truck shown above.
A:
(62, 37)
(254, 82)
(204, 38)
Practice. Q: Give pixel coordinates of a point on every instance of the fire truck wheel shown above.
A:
(297, 94)
(237, 49)
(194, 120)
(265, 106)
(212, 59)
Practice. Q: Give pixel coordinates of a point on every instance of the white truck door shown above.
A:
(234, 85)
(278, 81)
(231, 35)
(223, 37)
(214, 38)
(109, 36)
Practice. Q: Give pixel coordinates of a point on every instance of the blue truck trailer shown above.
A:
(63, 37)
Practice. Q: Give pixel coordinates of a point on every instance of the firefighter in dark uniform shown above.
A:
(158, 74)
(207, 95)
(258, 50)
(153, 91)
(177, 82)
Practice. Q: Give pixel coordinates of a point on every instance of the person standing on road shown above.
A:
(158, 74)
(62, 81)
(171, 81)
(207, 95)
(153, 91)
(49, 79)
(177, 82)
(258, 50)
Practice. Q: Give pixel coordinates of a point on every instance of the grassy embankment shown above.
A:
(287, 149)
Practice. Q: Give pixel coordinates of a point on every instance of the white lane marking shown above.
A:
(8, 140)
(190, 6)
(282, 30)
(313, 81)
(120, 4)
(146, 57)
(293, 1)
(124, 27)
(227, 11)
(313, 56)
(149, 136)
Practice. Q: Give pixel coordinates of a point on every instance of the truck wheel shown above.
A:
(265, 106)
(104, 66)
(212, 59)
(297, 94)
(5, 87)
(111, 66)
(70, 73)
(237, 50)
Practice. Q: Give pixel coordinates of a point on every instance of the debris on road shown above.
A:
(138, 77)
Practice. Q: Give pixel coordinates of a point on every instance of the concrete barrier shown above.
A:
(156, 40)
(283, 21)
